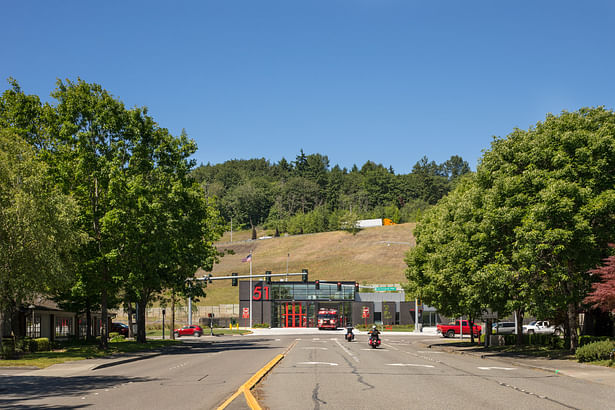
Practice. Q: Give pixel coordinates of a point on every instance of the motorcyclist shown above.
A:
(349, 332)
(375, 332)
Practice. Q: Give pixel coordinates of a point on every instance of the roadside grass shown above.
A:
(533, 351)
(84, 351)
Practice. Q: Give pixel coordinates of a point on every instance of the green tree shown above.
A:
(37, 228)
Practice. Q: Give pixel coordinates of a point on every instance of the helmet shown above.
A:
(374, 326)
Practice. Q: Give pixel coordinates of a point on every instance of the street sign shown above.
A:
(365, 312)
(245, 313)
(385, 288)
(488, 314)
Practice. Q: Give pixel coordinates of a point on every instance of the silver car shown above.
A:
(503, 328)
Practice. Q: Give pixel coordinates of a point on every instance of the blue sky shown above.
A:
(388, 81)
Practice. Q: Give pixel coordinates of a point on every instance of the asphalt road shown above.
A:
(318, 371)
(327, 372)
(201, 374)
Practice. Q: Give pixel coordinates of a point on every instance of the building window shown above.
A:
(33, 330)
(64, 326)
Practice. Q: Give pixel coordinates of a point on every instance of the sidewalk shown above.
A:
(571, 368)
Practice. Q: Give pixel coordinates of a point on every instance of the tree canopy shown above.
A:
(543, 218)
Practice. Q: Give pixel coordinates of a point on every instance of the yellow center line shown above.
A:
(253, 381)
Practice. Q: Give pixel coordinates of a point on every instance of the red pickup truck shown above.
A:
(452, 329)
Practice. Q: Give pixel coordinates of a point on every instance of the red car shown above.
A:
(191, 330)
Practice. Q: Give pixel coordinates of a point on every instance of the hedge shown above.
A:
(592, 352)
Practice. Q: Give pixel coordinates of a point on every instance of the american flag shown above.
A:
(247, 258)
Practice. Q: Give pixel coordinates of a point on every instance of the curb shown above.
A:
(499, 358)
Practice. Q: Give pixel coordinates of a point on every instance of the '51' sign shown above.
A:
(258, 293)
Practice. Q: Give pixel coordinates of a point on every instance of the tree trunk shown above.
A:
(471, 322)
(519, 317)
(104, 320)
(173, 315)
(573, 322)
(130, 321)
(141, 321)
(88, 323)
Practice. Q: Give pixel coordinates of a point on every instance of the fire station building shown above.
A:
(296, 304)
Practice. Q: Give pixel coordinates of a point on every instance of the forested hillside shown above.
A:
(308, 195)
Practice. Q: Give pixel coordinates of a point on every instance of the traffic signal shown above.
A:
(317, 284)
(339, 286)
(304, 276)
(356, 287)
(268, 277)
(234, 280)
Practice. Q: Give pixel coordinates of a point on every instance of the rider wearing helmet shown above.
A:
(375, 332)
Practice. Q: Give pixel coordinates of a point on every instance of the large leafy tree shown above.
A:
(558, 180)
(37, 227)
(92, 144)
(547, 209)
(162, 218)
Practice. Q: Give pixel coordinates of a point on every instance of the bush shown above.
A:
(42, 344)
(555, 342)
(261, 325)
(587, 339)
(595, 351)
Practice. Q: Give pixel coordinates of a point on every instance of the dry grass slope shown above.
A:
(374, 255)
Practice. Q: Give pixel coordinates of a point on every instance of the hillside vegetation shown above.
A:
(373, 255)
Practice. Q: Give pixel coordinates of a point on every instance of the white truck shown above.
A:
(542, 327)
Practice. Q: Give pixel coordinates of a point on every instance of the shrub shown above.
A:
(41, 344)
(261, 325)
(595, 351)
(587, 339)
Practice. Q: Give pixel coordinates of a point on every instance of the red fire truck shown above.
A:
(327, 318)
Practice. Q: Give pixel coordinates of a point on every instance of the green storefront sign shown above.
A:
(385, 288)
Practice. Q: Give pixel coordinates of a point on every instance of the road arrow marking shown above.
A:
(329, 364)
(497, 368)
(409, 364)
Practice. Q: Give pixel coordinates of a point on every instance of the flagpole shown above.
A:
(251, 290)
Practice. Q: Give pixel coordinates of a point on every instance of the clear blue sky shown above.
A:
(357, 80)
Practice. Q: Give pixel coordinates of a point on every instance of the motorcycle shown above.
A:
(349, 336)
(374, 341)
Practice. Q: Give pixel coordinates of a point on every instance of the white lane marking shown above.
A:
(428, 351)
(327, 363)
(384, 350)
(388, 345)
(496, 368)
(355, 358)
(314, 347)
(409, 364)
(316, 338)
(277, 340)
(298, 339)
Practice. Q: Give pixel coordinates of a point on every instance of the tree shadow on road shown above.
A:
(17, 391)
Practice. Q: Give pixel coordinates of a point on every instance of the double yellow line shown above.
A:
(246, 388)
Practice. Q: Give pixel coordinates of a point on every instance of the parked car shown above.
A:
(120, 328)
(453, 329)
(503, 328)
(191, 330)
(542, 327)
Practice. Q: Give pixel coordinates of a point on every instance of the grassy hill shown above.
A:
(374, 255)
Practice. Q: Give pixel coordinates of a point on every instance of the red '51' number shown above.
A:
(258, 292)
